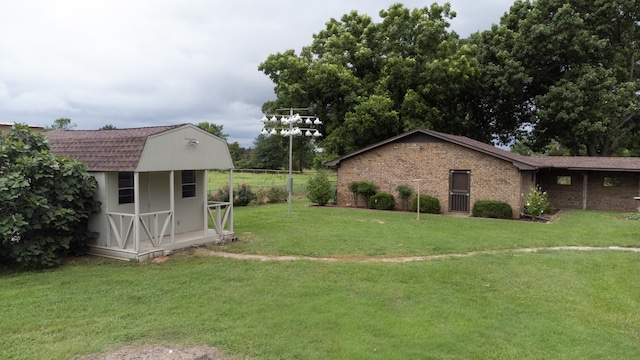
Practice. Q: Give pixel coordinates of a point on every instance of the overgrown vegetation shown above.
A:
(382, 201)
(45, 201)
(428, 204)
(319, 189)
(492, 209)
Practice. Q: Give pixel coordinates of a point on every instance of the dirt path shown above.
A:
(402, 259)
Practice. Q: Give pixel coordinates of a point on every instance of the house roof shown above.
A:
(520, 161)
(104, 150)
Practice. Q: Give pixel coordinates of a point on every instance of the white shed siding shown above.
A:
(174, 150)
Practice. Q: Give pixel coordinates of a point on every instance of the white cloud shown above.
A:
(142, 62)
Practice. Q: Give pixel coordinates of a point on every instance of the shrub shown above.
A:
(319, 188)
(405, 192)
(492, 209)
(382, 201)
(242, 196)
(537, 202)
(364, 189)
(45, 201)
(428, 204)
(271, 195)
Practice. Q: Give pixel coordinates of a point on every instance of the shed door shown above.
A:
(459, 194)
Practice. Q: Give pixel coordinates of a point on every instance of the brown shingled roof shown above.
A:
(520, 161)
(104, 150)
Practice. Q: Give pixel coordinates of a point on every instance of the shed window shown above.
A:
(125, 188)
(563, 180)
(611, 182)
(188, 183)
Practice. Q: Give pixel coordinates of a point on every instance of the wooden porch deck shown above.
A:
(148, 251)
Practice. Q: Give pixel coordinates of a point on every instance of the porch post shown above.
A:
(231, 200)
(172, 205)
(136, 211)
(585, 183)
(205, 215)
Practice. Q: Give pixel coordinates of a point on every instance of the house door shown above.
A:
(459, 193)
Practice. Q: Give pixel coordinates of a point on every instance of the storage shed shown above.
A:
(153, 186)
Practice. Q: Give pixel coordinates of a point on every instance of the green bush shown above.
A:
(405, 192)
(319, 188)
(364, 189)
(242, 196)
(45, 202)
(492, 209)
(271, 195)
(428, 204)
(382, 201)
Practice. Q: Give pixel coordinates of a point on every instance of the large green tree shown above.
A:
(368, 81)
(45, 201)
(565, 71)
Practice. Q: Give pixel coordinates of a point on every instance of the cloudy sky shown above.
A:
(132, 63)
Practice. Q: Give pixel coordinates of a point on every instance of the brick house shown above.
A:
(153, 187)
(460, 171)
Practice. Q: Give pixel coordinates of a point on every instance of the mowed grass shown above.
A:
(331, 231)
(507, 305)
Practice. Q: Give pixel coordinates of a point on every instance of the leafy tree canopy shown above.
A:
(61, 124)
(368, 81)
(213, 129)
(567, 70)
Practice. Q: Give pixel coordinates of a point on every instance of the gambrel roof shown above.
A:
(627, 164)
(156, 148)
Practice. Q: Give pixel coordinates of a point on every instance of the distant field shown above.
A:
(258, 179)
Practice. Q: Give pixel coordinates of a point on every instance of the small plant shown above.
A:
(428, 204)
(405, 192)
(319, 188)
(537, 202)
(492, 209)
(382, 201)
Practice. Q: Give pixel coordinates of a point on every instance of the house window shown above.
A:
(125, 188)
(611, 182)
(563, 180)
(188, 183)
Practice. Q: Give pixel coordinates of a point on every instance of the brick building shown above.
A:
(460, 171)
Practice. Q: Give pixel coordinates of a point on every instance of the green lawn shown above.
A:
(509, 305)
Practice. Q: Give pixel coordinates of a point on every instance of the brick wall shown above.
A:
(432, 160)
(599, 196)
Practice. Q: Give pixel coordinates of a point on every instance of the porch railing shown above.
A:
(122, 226)
(154, 220)
(219, 216)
